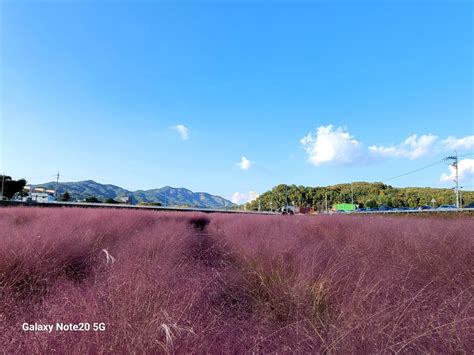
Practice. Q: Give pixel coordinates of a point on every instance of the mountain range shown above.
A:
(167, 195)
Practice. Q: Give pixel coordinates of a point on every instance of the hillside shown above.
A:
(166, 195)
(365, 195)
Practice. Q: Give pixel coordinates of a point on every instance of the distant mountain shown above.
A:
(167, 195)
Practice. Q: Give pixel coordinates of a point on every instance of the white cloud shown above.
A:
(465, 170)
(338, 146)
(412, 148)
(182, 130)
(459, 143)
(331, 145)
(245, 164)
(240, 198)
(253, 195)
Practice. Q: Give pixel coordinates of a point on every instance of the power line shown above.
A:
(17, 177)
(424, 167)
(415, 171)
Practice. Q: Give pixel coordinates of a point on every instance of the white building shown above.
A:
(39, 197)
(39, 194)
(123, 199)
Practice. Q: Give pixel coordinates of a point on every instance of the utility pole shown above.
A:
(453, 161)
(271, 201)
(57, 186)
(3, 183)
(352, 195)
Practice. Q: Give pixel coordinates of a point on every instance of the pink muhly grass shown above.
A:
(192, 282)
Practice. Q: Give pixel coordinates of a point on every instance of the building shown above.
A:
(123, 199)
(39, 194)
(39, 197)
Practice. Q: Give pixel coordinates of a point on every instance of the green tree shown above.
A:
(65, 197)
(92, 199)
(370, 204)
(110, 200)
(10, 186)
(365, 194)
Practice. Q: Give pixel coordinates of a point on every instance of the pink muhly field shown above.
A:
(177, 282)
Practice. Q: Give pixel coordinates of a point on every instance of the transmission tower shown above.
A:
(453, 161)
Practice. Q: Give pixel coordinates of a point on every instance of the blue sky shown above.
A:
(311, 93)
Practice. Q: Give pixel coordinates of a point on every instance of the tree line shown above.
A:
(364, 194)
